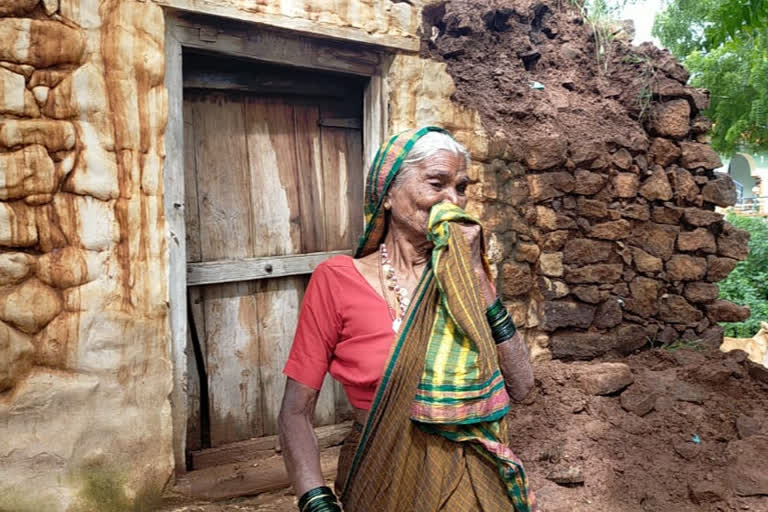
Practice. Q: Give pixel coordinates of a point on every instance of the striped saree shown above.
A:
(434, 440)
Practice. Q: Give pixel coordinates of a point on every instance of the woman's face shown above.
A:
(441, 177)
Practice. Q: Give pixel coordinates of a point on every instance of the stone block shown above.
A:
(17, 225)
(580, 345)
(644, 296)
(612, 230)
(589, 293)
(645, 262)
(554, 241)
(699, 217)
(605, 378)
(549, 219)
(726, 311)
(29, 306)
(638, 399)
(70, 266)
(15, 266)
(18, 355)
(681, 267)
(625, 184)
(27, 171)
(700, 291)
(671, 119)
(622, 159)
(81, 94)
(733, 243)
(686, 188)
(95, 172)
(592, 208)
(639, 212)
(657, 186)
(608, 314)
(15, 99)
(554, 315)
(581, 251)
(549, 184)
(40, 43)
(720, 191)
(719, 268)
(17, 7)
(517, 279)
(664, 152)
(587, 183)
(656, 239)
(53, 135)
(695, 155)
(699, 239)
(551, 289)
(546, 152)
(676, 310)
(597, 273)
(551, 264)
(527, 251)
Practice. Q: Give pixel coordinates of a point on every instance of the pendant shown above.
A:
(396, 324)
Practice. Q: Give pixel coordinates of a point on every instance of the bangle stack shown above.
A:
(319, 499)
(502, 327)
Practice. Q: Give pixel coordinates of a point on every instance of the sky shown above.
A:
(642, 13)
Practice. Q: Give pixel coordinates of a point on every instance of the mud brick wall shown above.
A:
(601, 193)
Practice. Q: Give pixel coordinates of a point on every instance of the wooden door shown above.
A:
(273, 184)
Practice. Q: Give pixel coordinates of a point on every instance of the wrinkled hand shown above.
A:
(473, 234)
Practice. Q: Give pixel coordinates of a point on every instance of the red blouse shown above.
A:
(344, 328)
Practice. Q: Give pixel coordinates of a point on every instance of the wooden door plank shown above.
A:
(230, 309)
(310, 174)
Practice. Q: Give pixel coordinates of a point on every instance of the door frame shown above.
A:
(239, 39)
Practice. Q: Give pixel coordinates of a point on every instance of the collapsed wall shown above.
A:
(599, 186)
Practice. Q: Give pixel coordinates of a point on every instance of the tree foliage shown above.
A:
(748, 283)
(724, 44)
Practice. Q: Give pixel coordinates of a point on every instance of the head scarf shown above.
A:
(387, 163)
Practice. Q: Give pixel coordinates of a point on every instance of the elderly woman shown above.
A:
(427, 354)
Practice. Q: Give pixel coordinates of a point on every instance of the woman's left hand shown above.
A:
(473, 234)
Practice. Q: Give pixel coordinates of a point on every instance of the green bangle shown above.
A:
(319, 499)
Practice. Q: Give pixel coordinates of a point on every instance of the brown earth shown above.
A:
(618, 436)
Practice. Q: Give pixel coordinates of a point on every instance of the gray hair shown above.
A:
(426, 147)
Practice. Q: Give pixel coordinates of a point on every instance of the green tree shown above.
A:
(724, 44)
(748, 283)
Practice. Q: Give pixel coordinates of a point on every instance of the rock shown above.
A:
(605, 378)
(612, 230)
(664, 152)
(726, 311)
(568, 475)
(41, 94)
(592, 208)
(699, 239)
(546, 152)
(684, 392)
(547, 218)
(699, 217)
(644, 298)
(671, 119)
(676, 310)
(554, 241)
(719, 268)
(580, 251)
(701, 124)
(638, 399)
(548, 185)
(563, 313)
(587, 183)
(687, 449)
(53, 135)
(29, 306)
(695, 155)
(551, 288)
(50, 6)
(733, 242)
(580, 345)
(747, 465)
(15, 99)
(639, 212)
(712, 337)
(700, 292)
(597, 273)
(703, 491)
(15, 266)
(17, 7)
(17, 225)
(622, 159)
(645, 262)
(608, 314)
(516, 279)
(588, 293)
(64, 268)
(747, 426)
(551, 264)
(666, 214)
(656, 239)
(625, 184)
(18, 354)
(721, 191)
(80, 94)
(40, 43)
(587, 152)
(26, 172)
(657, 186)
(527, 251)
(681, 267)
(686, 188)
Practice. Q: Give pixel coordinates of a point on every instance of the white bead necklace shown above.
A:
(402, 296)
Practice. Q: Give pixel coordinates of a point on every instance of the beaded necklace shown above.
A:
(402, 297)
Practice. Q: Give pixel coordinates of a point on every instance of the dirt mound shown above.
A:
(664, 430)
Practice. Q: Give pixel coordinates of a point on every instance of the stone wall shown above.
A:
(85, 367)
